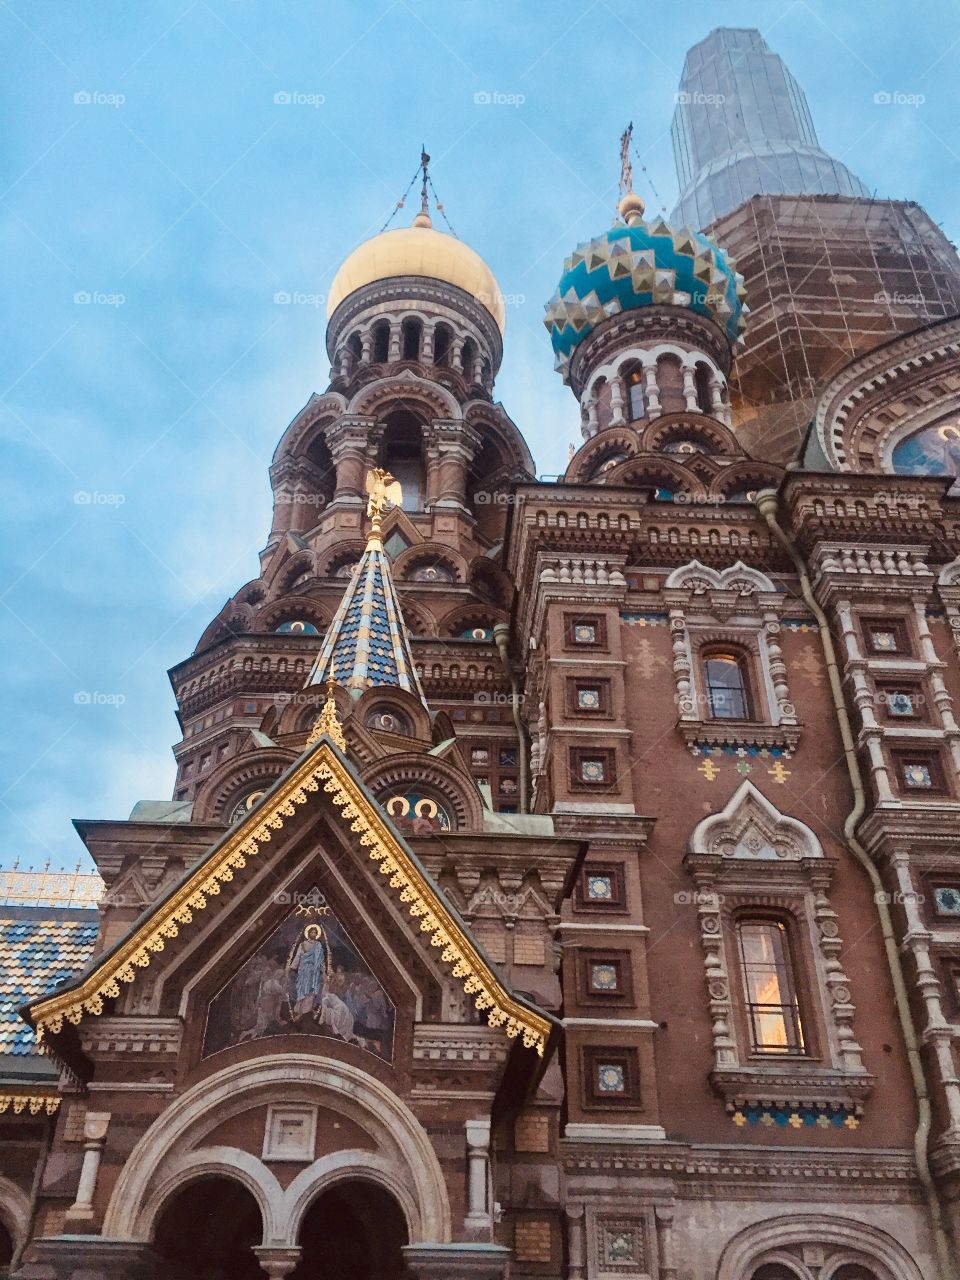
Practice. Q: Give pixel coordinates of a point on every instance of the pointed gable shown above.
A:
(321, 772)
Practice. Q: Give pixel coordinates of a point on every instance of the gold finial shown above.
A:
(382, 491)
(631, 206)
(328, 722)
(423, 218)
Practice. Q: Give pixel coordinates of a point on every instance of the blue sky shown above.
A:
(148, 167)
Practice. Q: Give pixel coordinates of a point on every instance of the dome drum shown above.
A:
(455, 331)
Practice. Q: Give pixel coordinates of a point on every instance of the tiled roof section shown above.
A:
(367, 642)
(39, 948)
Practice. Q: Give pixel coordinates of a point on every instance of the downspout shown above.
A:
(767, 503)
(501, 634)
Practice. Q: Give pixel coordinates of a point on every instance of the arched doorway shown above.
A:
(207, 1232)
(354, 1231)
(6, 1251)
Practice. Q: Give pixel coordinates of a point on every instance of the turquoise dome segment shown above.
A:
(642, 265)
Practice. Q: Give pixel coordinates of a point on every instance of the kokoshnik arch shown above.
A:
(560, 875)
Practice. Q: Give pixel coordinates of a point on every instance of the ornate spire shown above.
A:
(367, 643)
(328, 722)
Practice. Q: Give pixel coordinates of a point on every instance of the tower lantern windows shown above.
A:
(442, 338)
(703, 377)
(636, 404)
(411, 332)
(381, 342)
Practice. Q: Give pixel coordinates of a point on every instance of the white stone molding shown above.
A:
(852, 1240)
(737, 605)
(751, 852)
(171, 1153)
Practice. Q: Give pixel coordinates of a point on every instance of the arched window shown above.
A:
(670, 382)
(702, 379)
(603, 401)
(381, 342)
(441, 344)
(355, 347)
(727, 693)
(411, 331)
(468, 358)
(636, 405)
(401, 453)
(853, 1271)
(769, 988)
(774, 1271)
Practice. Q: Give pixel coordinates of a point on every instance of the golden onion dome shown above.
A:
(419, 250)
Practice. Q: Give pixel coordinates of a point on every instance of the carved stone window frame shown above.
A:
(740, 607)
(751, 856)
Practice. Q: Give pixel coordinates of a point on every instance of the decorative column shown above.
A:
(393, 349)
(366, 346)
(450, 447)
(277, 1261)
(576, 1242)
(426, 344)
(591, 421)
(651, 391)
(716, 397)
(664, 1219)
(479, 1219)
(95, 1127)
(690, 391)
(351, 442)
(616, 403)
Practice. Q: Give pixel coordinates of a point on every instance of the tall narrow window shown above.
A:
(411, 332)
(726, 692)
(702, 378)
(635, 405)
(773, 1015)
(441, 344)
(381, 341)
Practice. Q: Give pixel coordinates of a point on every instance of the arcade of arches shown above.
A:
(211, 1230)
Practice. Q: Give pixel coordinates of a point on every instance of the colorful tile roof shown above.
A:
(367, 642)
(40, 947)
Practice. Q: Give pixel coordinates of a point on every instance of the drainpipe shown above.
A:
(767, 503)
(501, 634)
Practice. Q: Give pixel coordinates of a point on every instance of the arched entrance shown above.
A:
(6, 1251)
(353, 1231)
(207, 1231)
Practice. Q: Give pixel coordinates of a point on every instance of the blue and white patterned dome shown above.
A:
(642, 264)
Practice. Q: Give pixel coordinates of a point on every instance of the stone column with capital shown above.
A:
(81, 1212)
(576, 1242)
(277, 1260)
(690, 391)
(450, 446)
(479, 1218)
(664, 1220)
(352, 443)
